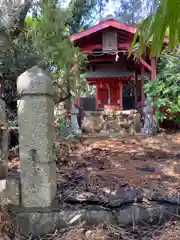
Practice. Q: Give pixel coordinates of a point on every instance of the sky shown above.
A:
(109, 9)
(112, 6)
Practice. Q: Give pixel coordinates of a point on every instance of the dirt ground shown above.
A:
(98, 166)
(167, 231)
(94, 164)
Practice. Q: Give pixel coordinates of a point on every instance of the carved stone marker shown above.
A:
(3, 148)
(148, 118)
(4, 132)
(75, 130)
(36, 138)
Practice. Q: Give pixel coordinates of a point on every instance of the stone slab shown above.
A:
(46, 222)
(136, 214)
(111, 199)
(10, 193)
(39, 222)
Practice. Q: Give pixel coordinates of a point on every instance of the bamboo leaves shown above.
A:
(155, 27)
(167, 87)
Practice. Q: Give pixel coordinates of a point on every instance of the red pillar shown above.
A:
(97, 96)
(153, 66)
(142, 85)
(136, 88)
(77, 100)
(121, 94)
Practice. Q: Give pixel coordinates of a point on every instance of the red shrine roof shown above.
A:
(103, 25)
(106, 24)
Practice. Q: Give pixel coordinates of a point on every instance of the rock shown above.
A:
(92, 124)
(132, 129)
(10, 193)
(99, 121)
(145, 169)
(123, 132)
(137, 122)
(130, 121)
(4, 237)
(177, 168)
(122, 122)
(125, 124)
(115, 199)
(114, 125)
(47, 222)
(135, 214)
(3, 169)
(88, 124)
(161, 196)
(123, 196)
(131, 117)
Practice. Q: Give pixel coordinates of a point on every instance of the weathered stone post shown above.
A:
(4, 130)
(75, 130)
(148, 118)
(36, 138)
(3, 147)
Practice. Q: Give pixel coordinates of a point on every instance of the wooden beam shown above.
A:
(91, 47)
(102, 59)
(143, 62)
(142, 85)
(124, 46)
(136, 88)
(121, 94)
(97, 96)
(108, 79)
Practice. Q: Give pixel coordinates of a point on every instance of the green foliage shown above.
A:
(81, 14)
(50, 34)
(155, 27)
(44, 41)
(166, 89)
(17, 58)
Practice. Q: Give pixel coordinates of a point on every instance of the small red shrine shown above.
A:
(106, 46)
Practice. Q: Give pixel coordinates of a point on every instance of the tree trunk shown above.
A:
(13, 12)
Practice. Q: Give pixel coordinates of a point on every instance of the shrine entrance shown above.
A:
(119, 78)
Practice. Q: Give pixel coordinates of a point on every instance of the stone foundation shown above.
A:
(129, 207)
(124, 123)
(42, 221)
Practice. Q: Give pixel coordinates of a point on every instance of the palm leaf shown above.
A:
(154, 28)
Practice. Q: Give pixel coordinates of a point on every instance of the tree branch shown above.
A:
(63, 99)
(19, 22)
(13, 14)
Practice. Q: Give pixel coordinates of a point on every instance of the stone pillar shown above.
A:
(4, 130)
(3, 147)
(148, 118)
(75, 130)
(36, 138)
